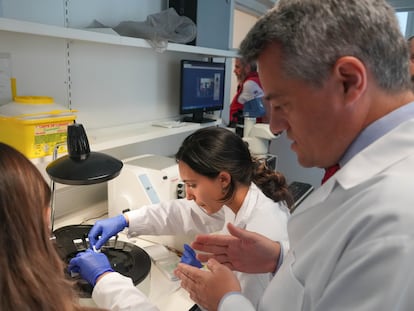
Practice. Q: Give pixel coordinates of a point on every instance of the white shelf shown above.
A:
(118, 136)
(19, 26)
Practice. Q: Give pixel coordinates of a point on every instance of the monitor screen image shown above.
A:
(202, 89)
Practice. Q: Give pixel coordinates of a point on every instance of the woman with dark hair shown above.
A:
(223, 184)
(213, 150)
(31, 271)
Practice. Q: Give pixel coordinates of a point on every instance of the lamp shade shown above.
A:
(81, 166)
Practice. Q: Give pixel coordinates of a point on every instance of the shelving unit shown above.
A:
(19, 26)
(102, 139)
(113, 137)
(117, 84)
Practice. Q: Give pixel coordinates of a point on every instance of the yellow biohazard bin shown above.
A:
(34, 125)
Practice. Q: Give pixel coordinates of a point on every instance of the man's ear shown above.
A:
(352, 74)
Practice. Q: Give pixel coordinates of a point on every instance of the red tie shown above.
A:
(329, 172)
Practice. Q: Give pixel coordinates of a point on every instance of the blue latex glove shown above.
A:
(90, 265)
(189, 257)
(104, 229)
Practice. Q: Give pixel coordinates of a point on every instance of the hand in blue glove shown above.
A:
(90, 265)
(189, 257)
(104, 229)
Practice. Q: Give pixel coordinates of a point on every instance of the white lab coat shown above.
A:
(117, 293)
(351, 241)
(258, 213)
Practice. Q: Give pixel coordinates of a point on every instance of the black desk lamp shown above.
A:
(83, 167)
(80, 166)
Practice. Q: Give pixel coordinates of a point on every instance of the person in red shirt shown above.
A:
(249, 87)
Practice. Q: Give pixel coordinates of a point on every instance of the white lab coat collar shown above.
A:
(367, 163)
(248, 205)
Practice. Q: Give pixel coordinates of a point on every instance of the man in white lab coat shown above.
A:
(336, 75)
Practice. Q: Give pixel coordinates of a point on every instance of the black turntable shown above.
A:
(125, 258)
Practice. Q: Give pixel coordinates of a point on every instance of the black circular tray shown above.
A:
(125, 258)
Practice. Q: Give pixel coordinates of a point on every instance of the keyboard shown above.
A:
(169, 124)
(299, 191)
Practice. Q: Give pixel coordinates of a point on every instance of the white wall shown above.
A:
(242, 23)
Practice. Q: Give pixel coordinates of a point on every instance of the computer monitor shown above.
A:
(202, 89)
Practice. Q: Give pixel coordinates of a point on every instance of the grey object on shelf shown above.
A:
(159, 29)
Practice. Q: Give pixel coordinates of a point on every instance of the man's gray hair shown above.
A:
(313, 34)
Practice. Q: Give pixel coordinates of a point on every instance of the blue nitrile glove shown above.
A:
(90, 265)
(104, 229)
(189, 257)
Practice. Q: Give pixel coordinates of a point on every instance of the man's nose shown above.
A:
(277, 124)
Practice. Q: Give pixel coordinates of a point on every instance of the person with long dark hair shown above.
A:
(31, 271)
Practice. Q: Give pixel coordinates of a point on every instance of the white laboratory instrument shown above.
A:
(147, 179)
(258, 138)
(257, 135)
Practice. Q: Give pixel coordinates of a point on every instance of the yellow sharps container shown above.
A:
(34, 125)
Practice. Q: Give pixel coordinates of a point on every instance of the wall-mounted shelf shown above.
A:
(117, 136)
(102, 139)
(19, 26)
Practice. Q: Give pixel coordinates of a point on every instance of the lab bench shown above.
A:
(167, 295)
